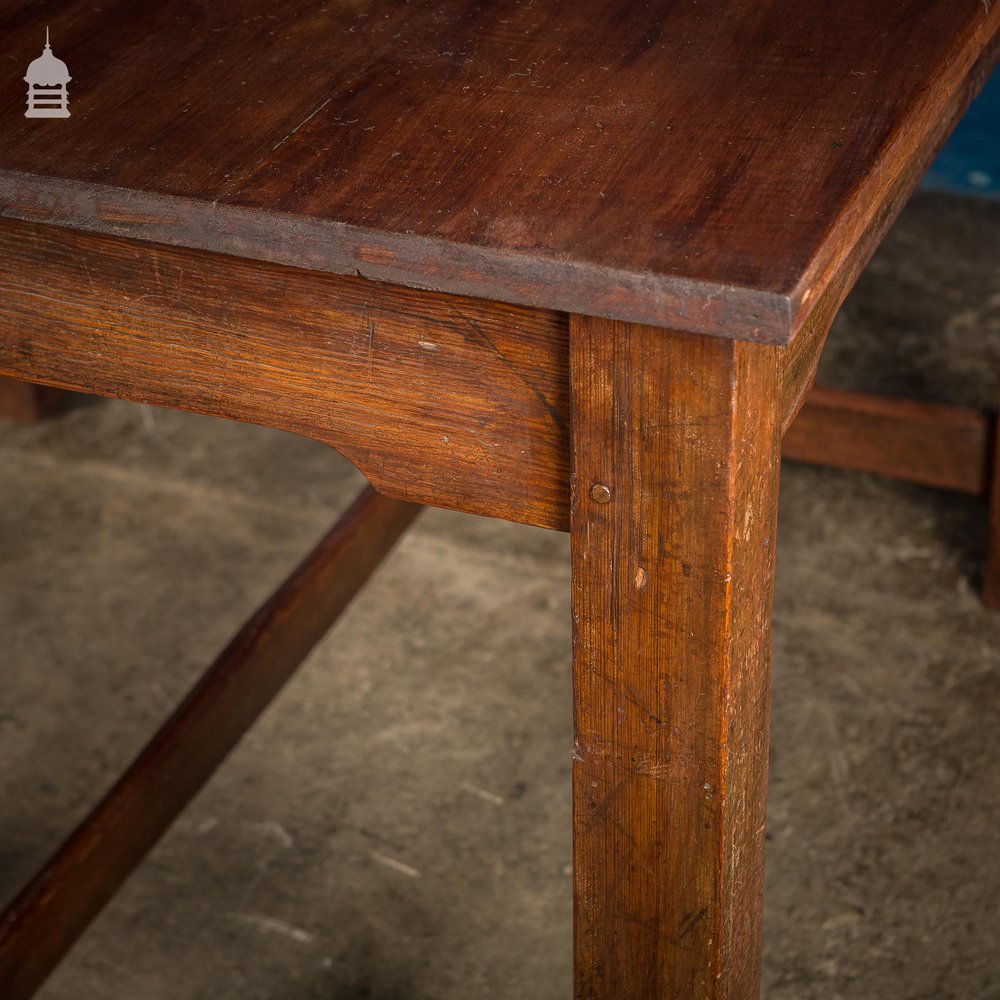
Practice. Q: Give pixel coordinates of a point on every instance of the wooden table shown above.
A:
(565, 263)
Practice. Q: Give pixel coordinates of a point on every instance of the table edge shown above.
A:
(514, 277)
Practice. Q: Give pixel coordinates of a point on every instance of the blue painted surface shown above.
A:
(970, 162)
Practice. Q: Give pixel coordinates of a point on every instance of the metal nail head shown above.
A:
(600, 493)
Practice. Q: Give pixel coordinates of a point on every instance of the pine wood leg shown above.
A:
(676, 449)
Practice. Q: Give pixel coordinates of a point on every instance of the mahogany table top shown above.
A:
(705, 166)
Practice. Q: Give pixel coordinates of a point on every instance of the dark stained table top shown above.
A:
(704, 165)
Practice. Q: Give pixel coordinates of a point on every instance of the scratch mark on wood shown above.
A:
(308, 118)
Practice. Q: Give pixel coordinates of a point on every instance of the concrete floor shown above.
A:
(397, 825)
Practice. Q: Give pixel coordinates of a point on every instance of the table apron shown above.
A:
(438, 399)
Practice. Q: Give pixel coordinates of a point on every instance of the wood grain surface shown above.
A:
(706, 167)
(675, 479)
(438, 399)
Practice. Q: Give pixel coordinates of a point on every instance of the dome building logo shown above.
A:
(47, 77)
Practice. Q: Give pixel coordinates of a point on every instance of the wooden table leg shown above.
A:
(991, 571)
(676, 450)
(24, 401)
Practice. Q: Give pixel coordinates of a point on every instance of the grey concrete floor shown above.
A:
(397, 824)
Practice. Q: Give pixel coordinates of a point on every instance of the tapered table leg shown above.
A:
(675, 481)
